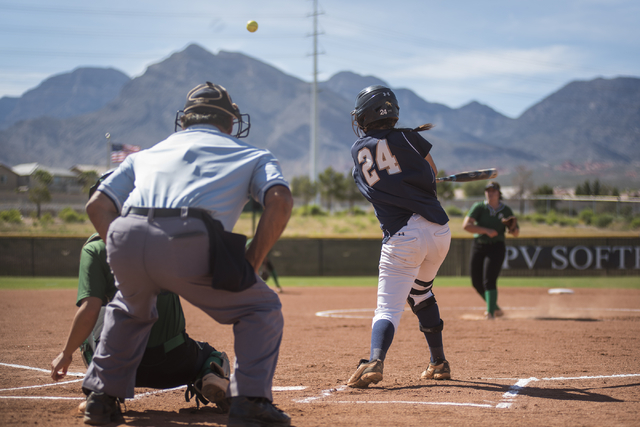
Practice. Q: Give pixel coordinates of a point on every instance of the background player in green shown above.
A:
(488, 220)
(171, 358)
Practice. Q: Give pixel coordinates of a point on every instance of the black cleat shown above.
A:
(255, 412)
(102, 409)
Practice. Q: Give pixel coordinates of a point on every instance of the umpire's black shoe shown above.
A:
(102, 409)
(255, 412)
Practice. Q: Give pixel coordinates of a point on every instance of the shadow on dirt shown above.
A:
(186, 416)
(573, 393)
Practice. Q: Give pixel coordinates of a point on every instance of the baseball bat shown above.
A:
(470, 176)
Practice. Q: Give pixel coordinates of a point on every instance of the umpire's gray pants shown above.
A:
(149, 256)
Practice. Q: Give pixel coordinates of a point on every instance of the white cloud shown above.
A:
(492, 63)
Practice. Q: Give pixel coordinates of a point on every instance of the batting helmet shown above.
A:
(374, 103)
(210, 98)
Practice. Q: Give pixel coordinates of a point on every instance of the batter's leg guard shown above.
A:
(418, 299)
(434, 330)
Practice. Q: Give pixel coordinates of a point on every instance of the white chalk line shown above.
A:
(40, 385)
(31, 368)
(43, 397)
(322, 395)
(136, 397)
(344, 313)
(507, 401)
(409, 402)
(510, 396)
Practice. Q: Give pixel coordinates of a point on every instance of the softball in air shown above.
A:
(252, 26)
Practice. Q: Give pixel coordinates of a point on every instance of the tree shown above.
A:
(584, 189)
(332, 186)
(351, 192)
(446, 190)
(596, 189)
(302, 187)
(38, 192)
(87, 179)
(474, 188)
(523, 183)
(541, 205)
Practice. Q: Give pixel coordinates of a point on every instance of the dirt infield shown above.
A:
(553, 360)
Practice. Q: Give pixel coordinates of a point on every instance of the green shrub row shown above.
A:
(67, 215)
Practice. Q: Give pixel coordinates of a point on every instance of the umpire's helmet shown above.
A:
(375, 103)
(210, 98)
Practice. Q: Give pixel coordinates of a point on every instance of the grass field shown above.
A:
(333, 226)
(624, 282)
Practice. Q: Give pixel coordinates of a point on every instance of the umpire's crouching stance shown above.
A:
(179, 200)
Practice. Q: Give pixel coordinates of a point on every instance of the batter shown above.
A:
(395, 172)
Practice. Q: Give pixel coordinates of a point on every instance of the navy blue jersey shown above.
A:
(392, 173)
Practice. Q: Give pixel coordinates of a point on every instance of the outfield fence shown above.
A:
(619, 256)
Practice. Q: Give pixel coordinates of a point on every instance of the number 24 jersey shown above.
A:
(392, 173)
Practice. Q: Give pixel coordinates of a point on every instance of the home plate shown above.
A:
(557, 291)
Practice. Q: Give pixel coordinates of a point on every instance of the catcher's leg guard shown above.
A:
(213, 382)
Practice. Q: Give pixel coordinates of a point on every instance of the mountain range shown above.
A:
(585, 130)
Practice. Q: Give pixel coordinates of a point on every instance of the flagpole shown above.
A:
(108, 136)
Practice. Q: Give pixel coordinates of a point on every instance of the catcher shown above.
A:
(488, 220)
(171, 358)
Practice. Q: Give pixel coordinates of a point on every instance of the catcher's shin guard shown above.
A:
(212, 383)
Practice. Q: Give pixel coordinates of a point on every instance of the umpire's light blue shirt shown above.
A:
(199, 167)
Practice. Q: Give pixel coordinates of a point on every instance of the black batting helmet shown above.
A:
(375, 103)
(210, 98)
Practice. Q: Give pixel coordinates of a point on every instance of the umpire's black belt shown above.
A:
(168, 212)
(230, 269)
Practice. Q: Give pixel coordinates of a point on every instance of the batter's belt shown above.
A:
(230, 269)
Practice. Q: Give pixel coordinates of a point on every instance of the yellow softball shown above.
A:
(252, 26)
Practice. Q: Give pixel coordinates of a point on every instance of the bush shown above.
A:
(586, 216)
(538, 218)
(12, 216)
(310, 210)
(552, 218)
(69, 215)
(635, 223)
(453, 211)
(47, 218)
(603, 220)
(566, 221)
(357, 211)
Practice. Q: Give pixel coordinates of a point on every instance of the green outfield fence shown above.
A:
(59, 256)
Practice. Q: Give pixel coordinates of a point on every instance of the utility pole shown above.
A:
(313, 149)
(108, 136)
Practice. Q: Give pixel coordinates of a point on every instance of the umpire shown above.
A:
(179, 201)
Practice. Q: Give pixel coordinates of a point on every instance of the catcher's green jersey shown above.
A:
(96, 280)
(488, 217)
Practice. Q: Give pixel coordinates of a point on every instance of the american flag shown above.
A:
(120, 151)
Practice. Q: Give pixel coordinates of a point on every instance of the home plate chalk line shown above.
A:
(81, 374)
(506, 401)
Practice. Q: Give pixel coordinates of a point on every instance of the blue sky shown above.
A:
(505, 54)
